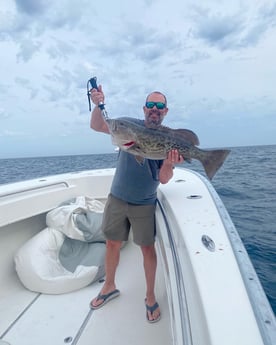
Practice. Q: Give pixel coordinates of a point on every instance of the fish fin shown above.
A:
(212, 160)
(188, 135)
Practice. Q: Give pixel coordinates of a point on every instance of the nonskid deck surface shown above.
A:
(67, 318)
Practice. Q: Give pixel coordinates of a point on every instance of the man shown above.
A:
(128, 201)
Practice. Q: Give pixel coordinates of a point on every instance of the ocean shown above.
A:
(246, 184)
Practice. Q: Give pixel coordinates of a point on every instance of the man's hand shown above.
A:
(97, 121)
(166, 171)
(174, 158)
(97, 95)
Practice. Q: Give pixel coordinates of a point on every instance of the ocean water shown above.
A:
(246, 184)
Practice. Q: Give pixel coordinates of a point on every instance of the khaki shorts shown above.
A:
(119, 216)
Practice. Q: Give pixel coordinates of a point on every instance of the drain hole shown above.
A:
(194, 196)
(68, 340)
(208, 243)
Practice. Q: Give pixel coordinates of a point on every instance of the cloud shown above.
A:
(264, 20)
(135, 41)
(3, 114)
(214, 61)
(237, 30)
(268, 13)
(220, 31)
(24, 83)
(32, 7)
(27, 48)
(59, 49)
(9, 133)
(196, 56)
(37, 17)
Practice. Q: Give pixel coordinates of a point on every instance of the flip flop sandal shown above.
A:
(105, 297)
(151, 309)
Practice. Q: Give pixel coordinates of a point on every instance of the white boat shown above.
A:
(206, 286)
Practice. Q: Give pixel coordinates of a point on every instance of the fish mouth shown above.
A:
(129, 143)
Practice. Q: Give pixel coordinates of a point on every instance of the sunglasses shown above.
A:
(159, 105)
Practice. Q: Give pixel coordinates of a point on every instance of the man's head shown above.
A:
(155, 109)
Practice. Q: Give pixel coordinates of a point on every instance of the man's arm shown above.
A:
(166, 171)
(97, 121)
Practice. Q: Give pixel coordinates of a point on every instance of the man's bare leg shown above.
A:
(112, 258)
(150, 265)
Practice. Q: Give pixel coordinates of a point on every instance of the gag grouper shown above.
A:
(131, 135)
(134, 137)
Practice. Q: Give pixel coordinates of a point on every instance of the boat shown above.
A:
(206, 285)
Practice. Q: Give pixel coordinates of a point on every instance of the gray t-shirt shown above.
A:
(135, 182)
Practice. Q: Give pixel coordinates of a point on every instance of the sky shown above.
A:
(214, 60)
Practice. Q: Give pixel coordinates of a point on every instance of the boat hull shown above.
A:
(206, 286)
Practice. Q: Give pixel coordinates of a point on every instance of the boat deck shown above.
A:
(67, 318)
(206, 286)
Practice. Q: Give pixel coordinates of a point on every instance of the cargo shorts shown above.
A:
(120, 216)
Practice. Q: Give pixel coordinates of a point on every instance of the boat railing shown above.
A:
(180, 322)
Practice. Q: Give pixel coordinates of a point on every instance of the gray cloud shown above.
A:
(4, 114)
(139, 42)
(3, 88)
(264, 21)
(234, 31)
(60, 49)
(27, 49)
(159, 45)
(32, 7)
(26, 84)
(13, 26)
(194, 57)
(268, 13)
(36, 17)
(219, 30)
(68, 15)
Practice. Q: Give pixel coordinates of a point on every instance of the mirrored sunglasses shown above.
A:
(159, 105)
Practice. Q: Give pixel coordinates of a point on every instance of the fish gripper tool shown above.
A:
(92, 84)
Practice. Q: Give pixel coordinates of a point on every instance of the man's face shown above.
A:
(154, 116)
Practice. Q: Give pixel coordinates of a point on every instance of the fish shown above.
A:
(131, 135)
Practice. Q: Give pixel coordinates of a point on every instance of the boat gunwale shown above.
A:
(261, 307)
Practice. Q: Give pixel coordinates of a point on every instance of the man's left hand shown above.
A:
(174, 158)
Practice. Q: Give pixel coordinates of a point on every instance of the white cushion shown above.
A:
(39, 269)
(63, 218)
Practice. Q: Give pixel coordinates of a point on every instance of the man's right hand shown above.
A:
(97, 121)
(97, 95)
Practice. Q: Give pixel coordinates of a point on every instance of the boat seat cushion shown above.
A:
(39, 263)
(69, 253)
(79, 219)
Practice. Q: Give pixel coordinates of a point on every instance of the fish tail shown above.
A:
(212, 160)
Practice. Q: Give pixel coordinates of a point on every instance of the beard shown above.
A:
(154, 118)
